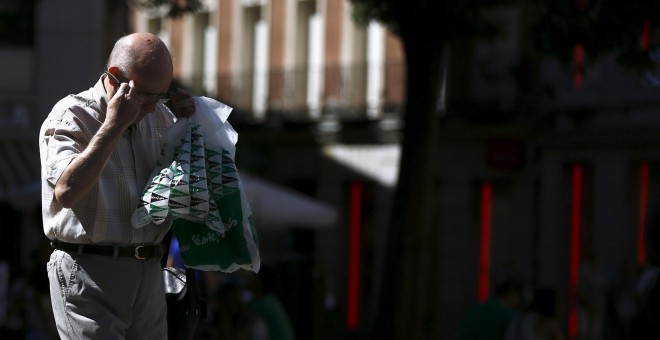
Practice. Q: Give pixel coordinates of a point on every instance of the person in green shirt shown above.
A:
(267, 305)
(489, 320)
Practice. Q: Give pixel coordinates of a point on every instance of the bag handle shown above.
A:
(196, 304)
(167, 240)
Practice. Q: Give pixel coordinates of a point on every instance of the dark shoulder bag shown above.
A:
(184, 304)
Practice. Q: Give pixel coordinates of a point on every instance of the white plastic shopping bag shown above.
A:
(197, 185)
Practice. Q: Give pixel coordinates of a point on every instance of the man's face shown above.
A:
(150, 84)
(152, 87)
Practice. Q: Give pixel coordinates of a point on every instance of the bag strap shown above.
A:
(167, 240)
(196, 305)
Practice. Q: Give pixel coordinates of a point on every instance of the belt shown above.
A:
(140, 252)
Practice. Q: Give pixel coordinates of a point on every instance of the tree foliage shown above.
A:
(602, 27)
(175, 8)
(452, 19)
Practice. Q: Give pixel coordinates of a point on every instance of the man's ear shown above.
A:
(112, 75)
(115, 71)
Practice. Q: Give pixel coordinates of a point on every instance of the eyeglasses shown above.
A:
(146, 95)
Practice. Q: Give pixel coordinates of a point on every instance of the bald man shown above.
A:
(97, 150)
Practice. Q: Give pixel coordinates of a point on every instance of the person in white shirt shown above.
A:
(97, 150)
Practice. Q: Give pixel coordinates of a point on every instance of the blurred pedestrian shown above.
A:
(490, 320)
(645, 325)
(233, 318)
(266, 304)
(592, 294)
(624, 302)
(539, 320)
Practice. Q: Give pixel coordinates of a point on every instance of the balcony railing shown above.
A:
(301, 95)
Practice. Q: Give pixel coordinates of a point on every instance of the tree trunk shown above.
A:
(402, 301)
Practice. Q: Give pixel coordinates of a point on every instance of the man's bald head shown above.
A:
(142, 53)
(144, 59)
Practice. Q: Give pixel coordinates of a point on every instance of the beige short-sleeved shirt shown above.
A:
(104, 214)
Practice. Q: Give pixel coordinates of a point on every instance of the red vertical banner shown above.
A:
(578, 52)
(578, 60)
(645, 40)
(577, 180)
(643, 206)
(355, 231)
(484, 244)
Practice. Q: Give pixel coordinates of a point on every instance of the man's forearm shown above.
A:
(84, 170)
